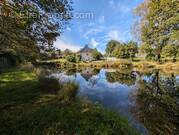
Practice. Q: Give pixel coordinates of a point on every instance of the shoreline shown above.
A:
(119, 64)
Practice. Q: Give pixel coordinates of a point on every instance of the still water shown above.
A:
(149, 100)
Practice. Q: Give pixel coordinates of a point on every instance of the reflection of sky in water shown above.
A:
(177, 79)
(63, 77)
(147, 78)
(112, 95)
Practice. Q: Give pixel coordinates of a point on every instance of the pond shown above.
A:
(149, 100)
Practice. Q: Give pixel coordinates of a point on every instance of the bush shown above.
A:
(41, 72)
(71, 58)
(27, 67)
(96, 55)
(150, 57)
(78, 58)
(50, 84)
(70, 90)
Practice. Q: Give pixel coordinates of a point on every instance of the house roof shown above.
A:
(86, 49)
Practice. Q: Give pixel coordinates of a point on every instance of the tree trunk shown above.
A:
(158, 57)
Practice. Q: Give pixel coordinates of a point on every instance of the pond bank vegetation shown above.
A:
(118, 64)
(28, 107)
(157, 102)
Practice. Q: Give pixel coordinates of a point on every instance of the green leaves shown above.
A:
(170, 51)
(122, 50)
(32, 24)
(96, 55)
(111, 46)
(159, 23)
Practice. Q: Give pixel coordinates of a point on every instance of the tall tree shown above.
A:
(122, 50)
(132, 49)
(170, 51)
(148, 51)
(159, 23)
(31, 23)
(96, 54)
(111, 47)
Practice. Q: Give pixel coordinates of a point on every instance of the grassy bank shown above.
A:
(26, 108)
(139, 64)
(62, 63)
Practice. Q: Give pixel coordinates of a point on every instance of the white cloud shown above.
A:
(62, 44)
(119, 7)
(113, 34)
(94, 43)
(92, 31)
(68, 29)
(116, 34)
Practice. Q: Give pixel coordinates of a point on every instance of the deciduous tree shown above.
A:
(26, 25)
(159, 23)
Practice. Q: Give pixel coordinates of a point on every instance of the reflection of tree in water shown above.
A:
(156, 105)
(95, 78)
(123, 78)
(88, 73)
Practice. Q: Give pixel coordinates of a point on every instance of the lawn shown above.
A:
(25, 109)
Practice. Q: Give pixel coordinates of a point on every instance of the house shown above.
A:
(86, 53)
(111, 59)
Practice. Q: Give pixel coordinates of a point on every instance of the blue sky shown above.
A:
(105, 20)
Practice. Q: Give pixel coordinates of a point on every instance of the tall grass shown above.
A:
(50, 84)
(66, 90)
(70, 90)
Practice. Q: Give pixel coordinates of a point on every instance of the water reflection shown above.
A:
(88, 73)
(156, 104)
(149, 100)
(123, 78)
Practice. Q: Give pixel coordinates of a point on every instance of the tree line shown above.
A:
(121, 50)
(156, 29)
(26, 28)
(133, 49)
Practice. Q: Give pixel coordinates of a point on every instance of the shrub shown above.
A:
(96, 55)
(70, 90)
(150, 57)
(50, 84)
(78, 58)
(71, 58)
(41, 72)
(27, 67)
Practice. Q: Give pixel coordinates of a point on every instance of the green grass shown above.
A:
(27, 110)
